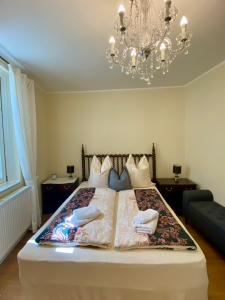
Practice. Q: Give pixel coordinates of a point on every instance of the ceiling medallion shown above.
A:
(142, 43)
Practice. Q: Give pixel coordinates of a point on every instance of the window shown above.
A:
(2, 148)
(9, 162)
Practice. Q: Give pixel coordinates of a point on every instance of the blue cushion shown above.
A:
(119, 182)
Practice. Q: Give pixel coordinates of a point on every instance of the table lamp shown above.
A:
(70, 171)
(176, 171)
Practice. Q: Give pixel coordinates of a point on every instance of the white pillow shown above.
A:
(139, 175)
(99, 174)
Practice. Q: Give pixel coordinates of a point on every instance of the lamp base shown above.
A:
(176, 178)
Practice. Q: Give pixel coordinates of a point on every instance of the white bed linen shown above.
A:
(125, 236)
(99, 232)
(98, 274)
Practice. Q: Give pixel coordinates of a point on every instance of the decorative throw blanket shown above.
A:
(96, 233)
(169, 233)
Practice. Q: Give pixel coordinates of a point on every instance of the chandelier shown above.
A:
(142, 43)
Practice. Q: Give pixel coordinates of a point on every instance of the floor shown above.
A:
(9, 278)
(10, 287)
(215, 266)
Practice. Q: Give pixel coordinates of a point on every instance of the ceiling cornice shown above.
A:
(140, 89)
(115, 90)
(205, 73)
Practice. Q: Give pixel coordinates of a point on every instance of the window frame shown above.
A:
(11, 169)
(3, 175)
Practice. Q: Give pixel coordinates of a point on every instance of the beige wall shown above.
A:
(205, 132)
(41, 111)
(116, 122)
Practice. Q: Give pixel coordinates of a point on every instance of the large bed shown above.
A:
(90, 273)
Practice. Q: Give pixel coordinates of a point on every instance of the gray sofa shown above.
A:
(206, 215)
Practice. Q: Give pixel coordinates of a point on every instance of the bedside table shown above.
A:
(56, 191)
(173, 191)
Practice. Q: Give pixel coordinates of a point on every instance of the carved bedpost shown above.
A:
(154, 163)
(83, 163)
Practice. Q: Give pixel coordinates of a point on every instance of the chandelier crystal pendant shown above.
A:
(143, 43)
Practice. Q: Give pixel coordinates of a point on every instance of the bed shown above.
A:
(85, 273)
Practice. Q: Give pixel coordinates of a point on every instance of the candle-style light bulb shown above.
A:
(112, 40)
(121, 9)
(183, 21)
(183, 25)
(133, 55)
(112, 43)
(133, 52)
(163, 51)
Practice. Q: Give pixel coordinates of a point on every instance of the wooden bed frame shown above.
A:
(118, 160)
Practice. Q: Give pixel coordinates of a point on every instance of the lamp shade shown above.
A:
(176, 169)
(70, 169)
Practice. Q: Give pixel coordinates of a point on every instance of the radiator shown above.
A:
(15, 219)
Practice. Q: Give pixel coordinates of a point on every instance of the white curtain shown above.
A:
(24, 118)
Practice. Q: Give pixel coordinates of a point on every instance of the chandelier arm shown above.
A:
(174, 52)
(131, 7)
(114, 61)
(160, 41)
(125, 42)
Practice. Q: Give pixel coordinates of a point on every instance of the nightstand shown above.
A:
(56, 191)
(173, 191)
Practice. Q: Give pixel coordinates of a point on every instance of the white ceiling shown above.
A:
(62, 42)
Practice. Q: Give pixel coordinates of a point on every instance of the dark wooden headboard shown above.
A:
(118, 160)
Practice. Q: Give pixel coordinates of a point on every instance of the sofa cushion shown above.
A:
(209, 218)
(211, 210)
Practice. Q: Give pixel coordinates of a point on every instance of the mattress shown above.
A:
(104, 274)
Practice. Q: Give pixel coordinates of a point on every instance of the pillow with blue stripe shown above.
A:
(119, 182)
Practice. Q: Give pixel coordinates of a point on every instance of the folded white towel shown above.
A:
(87, 212)
(72, 221)
(146, 216)
(83, 215)
(148, 228)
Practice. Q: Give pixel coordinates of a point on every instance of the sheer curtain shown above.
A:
(24, 118)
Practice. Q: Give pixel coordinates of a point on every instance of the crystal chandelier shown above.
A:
(142, 43)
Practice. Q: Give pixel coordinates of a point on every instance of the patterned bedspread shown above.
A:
(169, 233)
(96, 233)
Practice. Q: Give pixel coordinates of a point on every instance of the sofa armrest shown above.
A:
(195, 195)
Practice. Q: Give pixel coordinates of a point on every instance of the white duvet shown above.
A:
(128, 238)
(99, 232)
